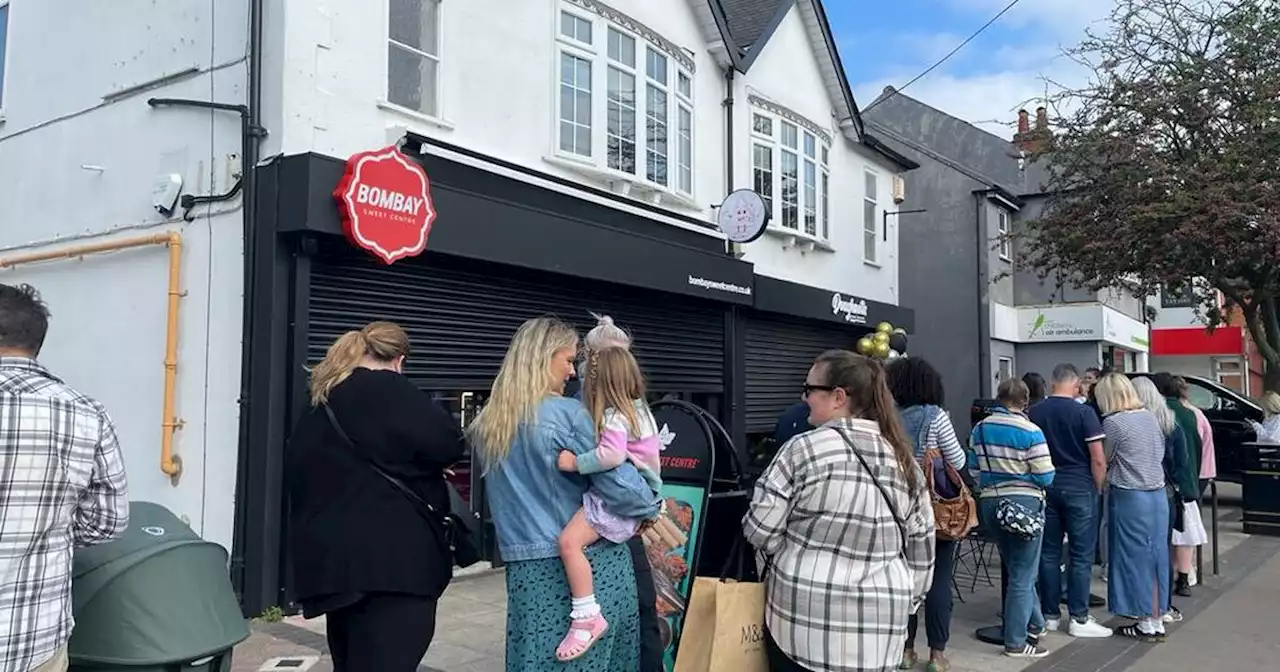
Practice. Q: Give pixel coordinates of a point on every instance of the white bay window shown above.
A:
(790, 169)
(641, 130)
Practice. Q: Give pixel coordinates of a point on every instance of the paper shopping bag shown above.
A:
(723, 628)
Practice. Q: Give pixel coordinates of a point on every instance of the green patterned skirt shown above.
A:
(538, 614)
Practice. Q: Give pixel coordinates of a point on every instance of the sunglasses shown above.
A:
(809, 389)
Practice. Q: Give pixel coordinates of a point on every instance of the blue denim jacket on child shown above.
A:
(531, 500)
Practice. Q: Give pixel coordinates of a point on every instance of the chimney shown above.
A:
(1037, 140)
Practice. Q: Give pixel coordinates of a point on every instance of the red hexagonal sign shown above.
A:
(384, 202)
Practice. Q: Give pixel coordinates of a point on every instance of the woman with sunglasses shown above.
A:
(853, 478)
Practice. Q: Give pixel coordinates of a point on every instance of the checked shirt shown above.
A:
(62, 485)
(841, 583)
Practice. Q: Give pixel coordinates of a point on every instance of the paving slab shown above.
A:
(470, 635)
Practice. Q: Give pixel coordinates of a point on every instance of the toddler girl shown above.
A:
(613, 392)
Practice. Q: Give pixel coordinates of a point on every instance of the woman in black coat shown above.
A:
(364, 553)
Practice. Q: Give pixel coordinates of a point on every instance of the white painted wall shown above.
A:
(77, 161)
(787, 73)
(498, 79)
(498, 82)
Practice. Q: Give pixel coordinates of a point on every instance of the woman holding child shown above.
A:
(547, 508)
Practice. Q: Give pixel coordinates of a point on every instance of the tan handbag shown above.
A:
(953, 517)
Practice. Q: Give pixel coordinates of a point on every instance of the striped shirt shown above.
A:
(1013, 457)
(842, 583)
(938, 434)
(1135, 450)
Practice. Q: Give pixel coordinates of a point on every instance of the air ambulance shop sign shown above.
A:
(384, 202)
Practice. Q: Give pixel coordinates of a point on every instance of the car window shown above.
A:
(1202, 398)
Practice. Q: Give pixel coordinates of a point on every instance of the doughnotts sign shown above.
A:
(384, 202)
(853, 310)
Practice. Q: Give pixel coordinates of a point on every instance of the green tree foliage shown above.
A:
(1165, 167)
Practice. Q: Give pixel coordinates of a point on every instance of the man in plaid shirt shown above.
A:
(62, 485)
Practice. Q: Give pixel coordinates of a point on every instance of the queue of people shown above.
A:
(1131, 458)
(571, 479)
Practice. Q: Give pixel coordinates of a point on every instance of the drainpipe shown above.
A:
(730, 248)
(251, 152)
(984, 303)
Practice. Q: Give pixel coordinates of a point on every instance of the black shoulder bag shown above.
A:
(452, 528)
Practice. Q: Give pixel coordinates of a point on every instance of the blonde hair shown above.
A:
(1270, 403)
(1115, 393)
(613, 381)
(523, 381)
(383, 341)
(606, 334)
(1155, 402)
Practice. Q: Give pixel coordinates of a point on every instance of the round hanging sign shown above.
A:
(384, 202)
(743, 216)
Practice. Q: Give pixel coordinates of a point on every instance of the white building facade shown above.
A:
(577, 151)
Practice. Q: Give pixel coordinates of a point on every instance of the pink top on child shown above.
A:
(619, 442)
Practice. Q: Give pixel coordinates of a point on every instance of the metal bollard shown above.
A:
(1213, 503)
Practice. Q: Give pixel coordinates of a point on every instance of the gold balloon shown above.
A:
(882, 350)
(866, 346)
(884, 328)
(881, 337)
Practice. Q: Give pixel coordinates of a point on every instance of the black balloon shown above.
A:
(898, 342)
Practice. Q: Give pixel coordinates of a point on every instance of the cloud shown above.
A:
(1060, 18)
(1011, 66)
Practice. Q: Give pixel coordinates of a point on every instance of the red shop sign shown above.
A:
(384, 202)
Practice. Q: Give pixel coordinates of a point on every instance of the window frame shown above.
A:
(870, 225)
(599, 160)
(436, 116)
(1001, 360)
(772, 143)
(4, 56)
(1002, 234)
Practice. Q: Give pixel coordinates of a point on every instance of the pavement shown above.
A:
(1231, 616)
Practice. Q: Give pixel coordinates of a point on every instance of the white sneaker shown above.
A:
(1052, 624)
(1090, 629)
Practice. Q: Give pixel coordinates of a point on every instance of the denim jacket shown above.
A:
(531, 500)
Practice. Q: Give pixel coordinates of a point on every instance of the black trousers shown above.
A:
(938, 603)
(779, 661)
(651, 650)
(383, 632)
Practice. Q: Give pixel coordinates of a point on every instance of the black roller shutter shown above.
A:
(460, 320)
(778, 354)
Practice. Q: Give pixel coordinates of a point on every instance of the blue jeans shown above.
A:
(1021, 559)
(1072, 510)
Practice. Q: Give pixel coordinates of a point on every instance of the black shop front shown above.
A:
(506, 243)
(789, 325)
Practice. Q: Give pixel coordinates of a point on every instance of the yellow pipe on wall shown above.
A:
(170, 464)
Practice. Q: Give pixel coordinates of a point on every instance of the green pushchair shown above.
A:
(158, 599)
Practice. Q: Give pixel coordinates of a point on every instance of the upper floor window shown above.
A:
(870, 223)
(790, 169)
(1002, 231)
(642, 125)
(4, 44)
(413, 55)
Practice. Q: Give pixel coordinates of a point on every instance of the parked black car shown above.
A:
(1228, 412)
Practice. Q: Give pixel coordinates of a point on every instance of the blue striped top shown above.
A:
(1013, 457)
